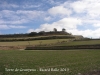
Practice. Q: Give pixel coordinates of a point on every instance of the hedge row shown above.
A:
(40, 38)
(86, 39)
(65, 47)
(32, 34)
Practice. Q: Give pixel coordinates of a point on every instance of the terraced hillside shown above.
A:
(80, 42)
(69, 44)
(22, 42)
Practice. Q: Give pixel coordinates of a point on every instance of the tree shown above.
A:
(33, 34)
(55, 30)
(63, 30)
(41, 33)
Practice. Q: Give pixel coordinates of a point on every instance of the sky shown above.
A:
(79, 17)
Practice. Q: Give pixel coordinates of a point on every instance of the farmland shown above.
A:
(82, 42)
(71, 61)
(36, 42)
(14, 60)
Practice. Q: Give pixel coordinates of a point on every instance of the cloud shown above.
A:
(16, 5)
(47, 18)
(59, 10)
(19, 16)
(5, 4)
(7, 14)
(90, 7)
(86, 33)
(30, 14)
(67, 23)
(29, 6)
(70, 24)
(79, 6)
(96, 25)
(15, 26)
(30, 30)
(5, 27)
(51, 1)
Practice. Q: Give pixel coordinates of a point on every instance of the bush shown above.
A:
(65, 47)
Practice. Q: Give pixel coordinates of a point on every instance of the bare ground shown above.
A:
(93, 73)
(12, 47)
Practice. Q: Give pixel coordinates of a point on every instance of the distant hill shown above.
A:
(33, 34)
(42, 35)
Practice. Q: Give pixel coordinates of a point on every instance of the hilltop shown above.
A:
(42, 35)
(21, 41)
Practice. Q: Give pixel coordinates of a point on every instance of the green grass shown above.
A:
(74, 61)
(88, 42)
(16, 38)
(37, 42)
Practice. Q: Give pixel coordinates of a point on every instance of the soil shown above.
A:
(12, 47)
(95, 72)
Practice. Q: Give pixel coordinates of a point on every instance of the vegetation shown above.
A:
(73, 61)
(35, 42)
(37, 38)
(68, 44)
(63, 47)
(66, 62)
(63, 30)
(82, 42)
(33, 34)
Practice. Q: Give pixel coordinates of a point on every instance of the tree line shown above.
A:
(32, 34)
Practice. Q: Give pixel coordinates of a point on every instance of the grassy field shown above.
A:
(67, 62)
(35, 37)
(88, 42)
(51, 41)
(37, 42)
